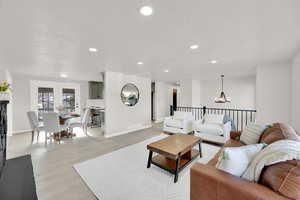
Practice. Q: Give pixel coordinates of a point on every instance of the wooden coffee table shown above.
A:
(174, 152)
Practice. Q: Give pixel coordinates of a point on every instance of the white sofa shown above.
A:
(211, 128)
(180, 122)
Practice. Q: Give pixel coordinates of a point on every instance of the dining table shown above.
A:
(63, 118)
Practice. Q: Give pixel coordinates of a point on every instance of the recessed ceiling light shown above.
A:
(140, 63)
(146, 10)
(63, 75)
(195, 46)
(166, 70)
(213, 61)
(93, 49)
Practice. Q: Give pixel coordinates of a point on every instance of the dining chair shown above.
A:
(52, 125)
(82, 123)
(35, 125)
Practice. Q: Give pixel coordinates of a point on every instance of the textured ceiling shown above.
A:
(49, 37)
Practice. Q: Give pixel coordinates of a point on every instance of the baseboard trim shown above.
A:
(20, 132)
(127, 131)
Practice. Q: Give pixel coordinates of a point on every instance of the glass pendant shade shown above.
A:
(222, 98)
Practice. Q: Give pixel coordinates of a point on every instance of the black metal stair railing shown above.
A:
(240, 117)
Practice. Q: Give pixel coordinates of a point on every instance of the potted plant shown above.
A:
(4, 87)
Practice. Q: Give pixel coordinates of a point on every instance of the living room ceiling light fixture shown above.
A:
(63, 75)
(93, 49)
(166, 70)
(146, 10)
(222, 98)
(140, 63)
(195, 46)
(214, 62)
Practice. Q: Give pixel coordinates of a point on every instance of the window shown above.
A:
(69, 100)
(45, 100)
(48, 96)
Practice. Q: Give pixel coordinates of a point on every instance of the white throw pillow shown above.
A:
(214, 118)
(215, 129)
(235, 160)
(252, 133)
(178, 115)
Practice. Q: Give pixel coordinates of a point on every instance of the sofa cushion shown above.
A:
(179, 115)
(278, 131)
(251, 133)
(174, 123)
(235, 160)
(229, 143)
(211, 138)
(214, 118)
(284, 178)
(215, 129)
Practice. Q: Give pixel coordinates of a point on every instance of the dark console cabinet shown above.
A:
(17, 178)
(3, 134)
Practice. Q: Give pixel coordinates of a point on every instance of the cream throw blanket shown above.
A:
(276, 152)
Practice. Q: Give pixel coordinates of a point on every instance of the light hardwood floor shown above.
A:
(53, 165)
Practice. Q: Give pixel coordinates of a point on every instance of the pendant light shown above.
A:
(222, 98)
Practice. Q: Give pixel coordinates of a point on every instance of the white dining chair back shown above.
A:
(35, 125)
(52, 125)
(82, 123)
(85, 117)
(51, 122)
(33, 119)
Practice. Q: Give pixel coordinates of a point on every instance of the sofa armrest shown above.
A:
(196, 123)
(209, 183)
(188, 125)
(166, 118)
(235, 135)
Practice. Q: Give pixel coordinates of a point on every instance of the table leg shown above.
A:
(149, 159)
(177, 169)
(200, 150)
(59, 136)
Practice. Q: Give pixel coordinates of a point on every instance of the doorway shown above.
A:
(45, 101)
(174, 99)
(152, 101)
(68, 95)
(50, 96)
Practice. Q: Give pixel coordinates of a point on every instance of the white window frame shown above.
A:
(57, 91)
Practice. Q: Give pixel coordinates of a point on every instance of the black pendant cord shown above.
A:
(222, 78)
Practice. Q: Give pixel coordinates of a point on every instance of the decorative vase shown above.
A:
(4, 96)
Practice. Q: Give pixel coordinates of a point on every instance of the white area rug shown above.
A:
(123, 175)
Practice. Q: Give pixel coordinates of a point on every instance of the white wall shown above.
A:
(184, 97)
(241, 90)
(295, 83)
(163, 99)
(22, 101)
(196, 93)
(273, 94)
(119, 118)
(188, 93)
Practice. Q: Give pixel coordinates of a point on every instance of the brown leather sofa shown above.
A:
(210, 183)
